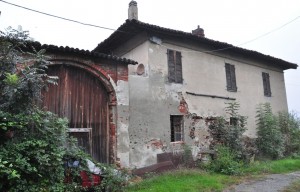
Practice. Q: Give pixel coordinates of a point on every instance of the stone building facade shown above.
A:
(182, 81)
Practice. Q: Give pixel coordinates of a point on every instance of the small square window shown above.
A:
(83, 137)
(176, 128)
(233, 121)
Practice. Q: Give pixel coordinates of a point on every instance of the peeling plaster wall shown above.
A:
(151, 103)
(152, 99)
(205, 74)
(122, 93)
(196, 134)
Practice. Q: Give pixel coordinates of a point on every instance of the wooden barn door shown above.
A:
(80, 97)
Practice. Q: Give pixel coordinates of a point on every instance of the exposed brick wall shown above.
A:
(109, 69)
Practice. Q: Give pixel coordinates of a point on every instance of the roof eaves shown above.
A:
(81, 52)
(132, 27)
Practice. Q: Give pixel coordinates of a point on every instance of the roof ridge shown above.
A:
(132, 27)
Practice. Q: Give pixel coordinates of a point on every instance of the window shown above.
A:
(230, 77)
(83, 137)
(176, 128)
(233, 121)
(174, 66)
(266, 84)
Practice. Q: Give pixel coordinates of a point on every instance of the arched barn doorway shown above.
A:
(82, 98)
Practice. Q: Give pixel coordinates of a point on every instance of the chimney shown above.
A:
(198, 32)
(133, 10)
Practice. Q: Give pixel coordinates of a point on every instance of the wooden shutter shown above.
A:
(233, 79)
(266, 84)
(230, 77)
(178, 68)
(171, 65)
(174, 66)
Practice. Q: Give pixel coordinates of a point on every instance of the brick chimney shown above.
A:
(198, 32)
(133, 10)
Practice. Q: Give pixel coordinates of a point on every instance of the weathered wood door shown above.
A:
(80, 97)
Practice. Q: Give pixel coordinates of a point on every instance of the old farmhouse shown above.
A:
(162, 96)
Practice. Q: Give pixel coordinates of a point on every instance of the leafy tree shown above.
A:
(289, 124)
(23, 74)
(32, 141)
(269, 140)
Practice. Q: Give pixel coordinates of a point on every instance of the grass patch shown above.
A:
(278, 166)
(191, 180)
(195, 180)
(285, 165)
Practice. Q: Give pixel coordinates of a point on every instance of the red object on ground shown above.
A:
(88, 181)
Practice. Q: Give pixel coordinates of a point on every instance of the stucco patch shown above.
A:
(158, 93)
(124, 159)
(146, 154)
(173, 89)
(122, 93)
(123, 138)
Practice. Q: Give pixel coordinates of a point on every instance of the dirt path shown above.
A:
(270, 183)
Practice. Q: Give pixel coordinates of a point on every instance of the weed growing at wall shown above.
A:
(228, 141)
(230, 133)
(226, 161)
(187, 158)
(270, 141)
(277, 136)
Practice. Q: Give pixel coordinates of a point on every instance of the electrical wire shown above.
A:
(265, 34)
(71, 20)
(254, 39)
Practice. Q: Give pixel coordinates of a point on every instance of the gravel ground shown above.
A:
(270, 183)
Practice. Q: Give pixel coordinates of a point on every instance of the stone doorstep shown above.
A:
(156, 168)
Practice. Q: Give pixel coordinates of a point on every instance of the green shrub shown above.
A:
(35, 150)
(226, 162)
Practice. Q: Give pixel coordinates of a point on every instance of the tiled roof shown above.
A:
(79, 52)
(133, 27)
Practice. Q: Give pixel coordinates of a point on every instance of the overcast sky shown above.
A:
(232, 21)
